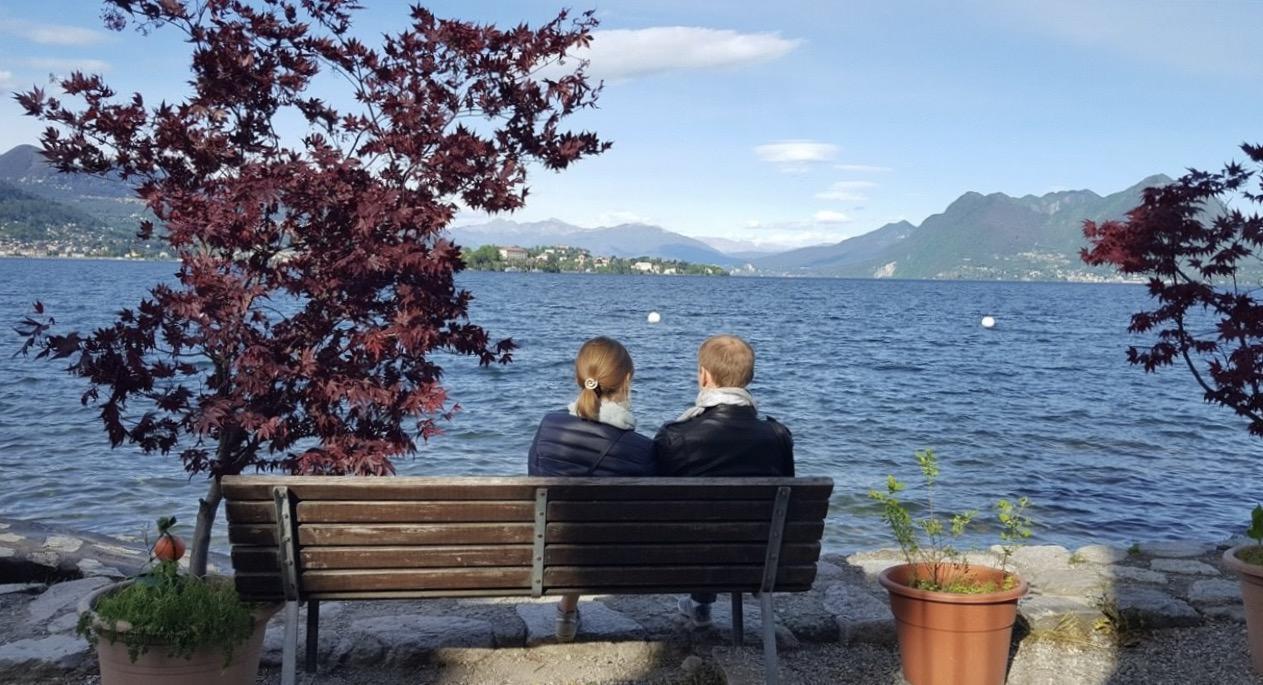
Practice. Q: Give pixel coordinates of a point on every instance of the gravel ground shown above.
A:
(1212, 654)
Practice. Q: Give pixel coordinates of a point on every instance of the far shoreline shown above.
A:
(804, 277)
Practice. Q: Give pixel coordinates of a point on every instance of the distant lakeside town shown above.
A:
(508, 258)
(564, 259)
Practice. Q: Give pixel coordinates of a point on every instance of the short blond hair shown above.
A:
(728, 359)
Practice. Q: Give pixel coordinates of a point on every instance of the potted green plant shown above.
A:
(1247, 561)
(165, 626)
(953, 619)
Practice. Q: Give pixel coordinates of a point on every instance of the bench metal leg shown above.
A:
(313, 634)
(738, 620)
(289, 653)
(768, 619)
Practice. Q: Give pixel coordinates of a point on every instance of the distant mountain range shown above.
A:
(624, 240)
(978, 236)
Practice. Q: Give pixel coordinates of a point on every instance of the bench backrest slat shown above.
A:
(379, 537)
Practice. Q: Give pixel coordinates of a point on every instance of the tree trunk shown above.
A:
(207, 508)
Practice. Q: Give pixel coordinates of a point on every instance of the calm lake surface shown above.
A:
(863, 372)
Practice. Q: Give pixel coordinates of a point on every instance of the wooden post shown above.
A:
(313, 634)
(287, 550)
(772, 560)
(538, 540)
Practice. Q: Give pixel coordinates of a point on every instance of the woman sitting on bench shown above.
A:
(594, 437)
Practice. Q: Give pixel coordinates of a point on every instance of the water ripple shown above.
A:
(863, 372)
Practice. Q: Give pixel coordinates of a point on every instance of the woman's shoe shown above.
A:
(567, 624)
(697, 613)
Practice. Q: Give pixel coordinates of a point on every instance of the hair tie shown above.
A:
(590, 384)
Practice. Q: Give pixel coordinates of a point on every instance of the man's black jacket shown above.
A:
(726, 440)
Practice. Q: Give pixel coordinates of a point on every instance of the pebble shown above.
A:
(1150, 607)
(63, 543)
(1041, 557)
(92, 567)
(862, 616)
(826, 572)
(1185, 566)
(1176, 549)
(1214, 592)
(1142, 575)
(60, 597)
(408, 639)
(61, 651)
(1100, 554)
(1073, 582)
(11, 588)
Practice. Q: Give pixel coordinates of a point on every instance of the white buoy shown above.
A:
(654, 317)
(988, 322)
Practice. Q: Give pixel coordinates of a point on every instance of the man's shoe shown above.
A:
(696, 612)
(567, 625)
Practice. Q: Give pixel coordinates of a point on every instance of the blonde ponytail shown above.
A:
(602, 369)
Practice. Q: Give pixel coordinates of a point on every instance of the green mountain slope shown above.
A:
(28, 217)
(978, 236)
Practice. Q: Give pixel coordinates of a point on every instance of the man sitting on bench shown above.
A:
(722, 435)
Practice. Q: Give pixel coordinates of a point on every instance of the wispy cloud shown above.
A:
(61, 65)
(6, 81)
(796, 156)
(862, 168)
(51, 34)
(826, 226)
(829, 216)
(620, 217)
(627, 53)
(847, 191)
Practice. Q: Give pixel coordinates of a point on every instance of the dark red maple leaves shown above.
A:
(1202, 259)
(314, 284)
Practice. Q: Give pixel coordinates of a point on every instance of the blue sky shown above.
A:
(803, 122)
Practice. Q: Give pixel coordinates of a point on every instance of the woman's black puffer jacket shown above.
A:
(568, 445)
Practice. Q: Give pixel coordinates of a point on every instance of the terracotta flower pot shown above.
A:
(947, 638)
(1252, 596)
(156, 667)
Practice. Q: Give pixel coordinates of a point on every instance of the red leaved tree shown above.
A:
(314, 282)
(1202, 257)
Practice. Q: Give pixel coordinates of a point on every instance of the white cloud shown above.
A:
(62, 66)
(51, 34)
(846, 191)
(829, 216)
(796, 151)
(796, 156)
(626, 53)
(862, 168)
(615, 218)
(6, 81)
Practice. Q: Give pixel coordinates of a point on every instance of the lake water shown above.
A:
(863, 373)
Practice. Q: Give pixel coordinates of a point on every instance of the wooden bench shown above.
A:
(342, 538)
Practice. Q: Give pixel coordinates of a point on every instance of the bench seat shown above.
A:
(298, 538)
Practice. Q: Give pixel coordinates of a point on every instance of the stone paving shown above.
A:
(1090, 595)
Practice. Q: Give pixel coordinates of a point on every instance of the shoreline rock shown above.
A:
(1088, 596)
